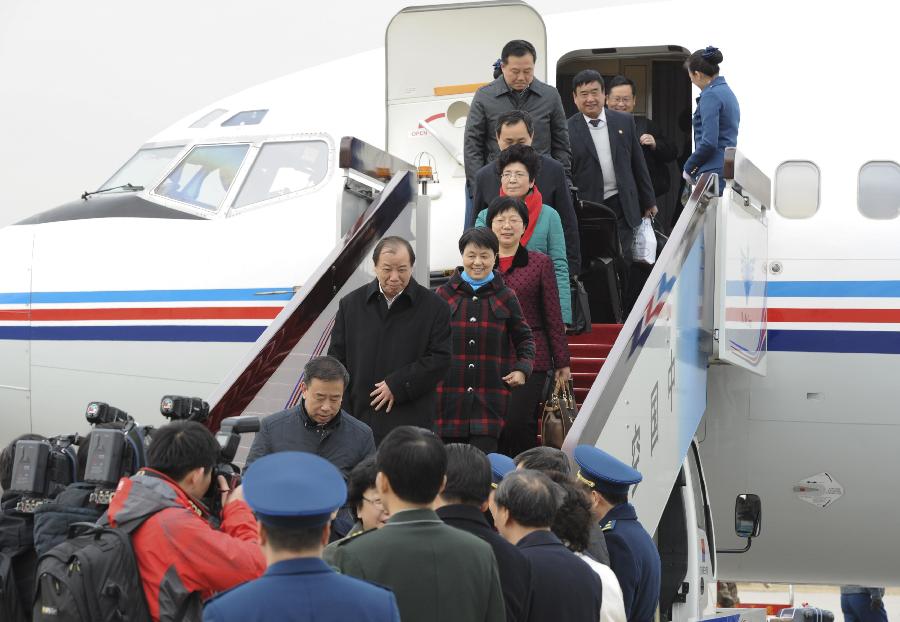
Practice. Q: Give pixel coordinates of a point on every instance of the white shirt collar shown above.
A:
(602, 116)
(389, 301)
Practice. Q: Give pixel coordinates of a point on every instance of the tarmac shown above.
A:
(822, 596)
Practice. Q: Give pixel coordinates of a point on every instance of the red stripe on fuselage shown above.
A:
(850, 316)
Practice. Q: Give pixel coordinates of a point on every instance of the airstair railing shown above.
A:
(238, 390)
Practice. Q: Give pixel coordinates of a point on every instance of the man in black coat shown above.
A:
(607, 159)
(564, 587)
(462, 504)
(658, 150)
(393, 335)
(516, 128)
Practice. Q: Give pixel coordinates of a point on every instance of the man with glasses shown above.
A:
(515, 89)
(608, 164)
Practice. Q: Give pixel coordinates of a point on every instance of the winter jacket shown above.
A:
(406, 345)
(548, 238)
(531, 277)
(182, 560)
(52, 520)
(344, 441)
(485, 324)
(540, 100)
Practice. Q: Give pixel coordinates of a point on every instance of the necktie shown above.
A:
(595, 122)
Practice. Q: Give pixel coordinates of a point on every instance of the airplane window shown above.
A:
(283, 168)
(878, 192)
(144, 167)
(797, 184)
(247, 117)
(204, 176)
(208, 118)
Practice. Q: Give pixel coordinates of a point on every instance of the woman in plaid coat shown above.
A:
(486, 324)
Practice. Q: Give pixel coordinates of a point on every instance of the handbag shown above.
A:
(581, 308)
(559, 412)
(643, 248)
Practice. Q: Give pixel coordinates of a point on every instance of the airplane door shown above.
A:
(15, 318)
(437, 57)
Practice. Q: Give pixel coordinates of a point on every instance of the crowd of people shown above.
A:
(408, 482)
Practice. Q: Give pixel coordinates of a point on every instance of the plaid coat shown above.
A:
(486, 325)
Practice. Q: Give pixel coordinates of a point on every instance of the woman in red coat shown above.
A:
(493, 349)
(531, 275)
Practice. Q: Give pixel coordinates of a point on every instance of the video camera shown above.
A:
(43, 468)
(108, 456)
(179, 408)
(229, 437)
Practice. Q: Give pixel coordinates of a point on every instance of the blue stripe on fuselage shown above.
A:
(821, 289)
(230, 334)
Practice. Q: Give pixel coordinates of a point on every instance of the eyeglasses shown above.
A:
(378, 503)
(502, 222)
(621, 100)
(514, 175)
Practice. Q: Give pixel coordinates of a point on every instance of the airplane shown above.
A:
(164, 281)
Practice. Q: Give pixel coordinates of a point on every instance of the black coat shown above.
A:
(514, 569)
(408, 346)
(565, 587)
(551, 181)
(632, 178)
(657, 159)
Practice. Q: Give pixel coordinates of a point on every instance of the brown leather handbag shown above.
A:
(559, 412)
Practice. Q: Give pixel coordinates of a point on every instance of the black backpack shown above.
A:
(17, 561)
(91, 577)
(11, 607)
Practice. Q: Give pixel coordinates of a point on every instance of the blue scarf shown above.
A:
(476, 284)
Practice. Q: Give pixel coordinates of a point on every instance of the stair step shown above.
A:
(586, 365)
(580, 394)
(590, 350)
(600, 333)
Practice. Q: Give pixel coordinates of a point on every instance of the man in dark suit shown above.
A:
(437, 572)
(517, 128)
(393, 335)
(607, 160)
(293, 495)
(462, 504)
(564, 586)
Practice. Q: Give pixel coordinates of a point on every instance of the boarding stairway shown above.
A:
(641, 385)
(588, 352)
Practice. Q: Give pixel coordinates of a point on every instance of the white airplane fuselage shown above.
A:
(124, 309)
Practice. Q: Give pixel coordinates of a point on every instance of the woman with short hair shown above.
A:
(493, 347)
(531, 275)
(518, 166)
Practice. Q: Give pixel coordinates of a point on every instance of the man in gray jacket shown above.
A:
(317, 424)
(515, 89)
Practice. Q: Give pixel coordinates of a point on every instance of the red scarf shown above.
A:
(535, 203)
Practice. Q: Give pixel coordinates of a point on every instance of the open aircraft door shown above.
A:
(437, 57)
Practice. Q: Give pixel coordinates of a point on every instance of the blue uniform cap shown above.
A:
(500, 466)
(294, 489)
(602, 472)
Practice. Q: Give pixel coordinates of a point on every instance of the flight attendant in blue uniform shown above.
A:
(716, 119)
(632, 554)
(294, 495)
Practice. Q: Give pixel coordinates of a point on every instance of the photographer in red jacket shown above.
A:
(181, 558)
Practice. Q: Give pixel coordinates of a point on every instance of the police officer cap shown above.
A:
(604, 473)
(500, 466)
(294, 489)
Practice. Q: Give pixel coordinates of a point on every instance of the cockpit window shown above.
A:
(144, 167)
(246, 117)
(204, 176)
(208, 118)
(282, 168)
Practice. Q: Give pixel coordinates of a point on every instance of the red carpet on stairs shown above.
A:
(589, 352)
